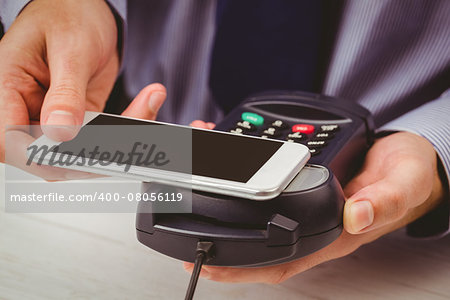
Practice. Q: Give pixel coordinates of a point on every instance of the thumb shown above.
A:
(147, 103)
(64, 104)
(387, 198)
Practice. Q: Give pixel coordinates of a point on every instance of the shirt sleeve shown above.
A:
(119, 9)
(432, 121)
(9, 9)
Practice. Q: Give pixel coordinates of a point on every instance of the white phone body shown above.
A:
(268, 181)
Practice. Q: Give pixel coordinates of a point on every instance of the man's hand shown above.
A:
(59, 59)
(397, 184)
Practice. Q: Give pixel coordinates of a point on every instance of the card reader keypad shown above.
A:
(314, 136)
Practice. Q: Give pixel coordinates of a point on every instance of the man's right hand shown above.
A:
(57, 60)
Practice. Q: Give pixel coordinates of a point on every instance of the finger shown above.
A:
(404, 186)
(210, 125)
(358, 182)
(17, 142)
(345, 244)
(71, 66)
(147, 103)
(10, 101)
(189, 267)
(273, 274)
(200, 124)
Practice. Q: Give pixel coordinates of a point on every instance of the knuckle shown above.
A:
(397, 204)
(95, 105)
(279, 276)
(9, 82)
(66, 90)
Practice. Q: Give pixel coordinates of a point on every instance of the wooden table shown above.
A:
(97, 256)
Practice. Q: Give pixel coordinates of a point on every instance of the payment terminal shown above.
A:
(306, 217)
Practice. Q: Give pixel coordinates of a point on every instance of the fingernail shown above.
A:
(61, 125)
(361, 215)
(155, 101)
(61, 118)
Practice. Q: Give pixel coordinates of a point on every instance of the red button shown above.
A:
(303, 128)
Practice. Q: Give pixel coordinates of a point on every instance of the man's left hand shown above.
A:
(397, 184)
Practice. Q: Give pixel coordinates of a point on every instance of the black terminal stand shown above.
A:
(306, 217)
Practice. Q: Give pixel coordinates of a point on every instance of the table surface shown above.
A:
(97, 256)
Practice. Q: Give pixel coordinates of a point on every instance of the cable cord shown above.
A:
(202, 255)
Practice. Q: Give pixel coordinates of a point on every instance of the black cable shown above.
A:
(203, 254)
(195, 274)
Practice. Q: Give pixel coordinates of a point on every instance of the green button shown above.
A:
(253, 118)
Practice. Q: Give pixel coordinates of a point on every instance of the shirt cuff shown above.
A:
(119, 9)
(120, 6)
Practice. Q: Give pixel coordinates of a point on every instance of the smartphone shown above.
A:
(211, 161)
